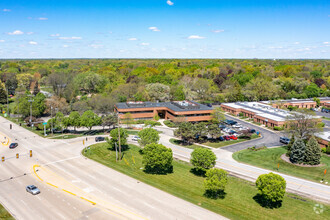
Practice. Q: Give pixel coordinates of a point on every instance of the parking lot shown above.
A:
(232, 130)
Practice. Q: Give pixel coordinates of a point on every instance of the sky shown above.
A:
(165, 29)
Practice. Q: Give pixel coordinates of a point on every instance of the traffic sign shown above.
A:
(44, 123)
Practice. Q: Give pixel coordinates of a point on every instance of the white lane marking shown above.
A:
(89, 189)
(61, 215)
(68, 203)
(38, 198)
(24, 203)
(74, 208)
(76, 181)
(58, 161)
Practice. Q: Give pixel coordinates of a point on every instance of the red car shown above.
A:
(226, 137)
(233, 137)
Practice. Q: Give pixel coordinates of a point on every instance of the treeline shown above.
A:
(96, 84)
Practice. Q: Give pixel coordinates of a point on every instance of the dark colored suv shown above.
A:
(284, 140)
(97, 139)
(13, 145)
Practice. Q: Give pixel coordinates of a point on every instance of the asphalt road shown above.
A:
(73, 187)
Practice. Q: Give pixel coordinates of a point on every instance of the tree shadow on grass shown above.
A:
(198, 172)
(123, 148)
(158, 171)
(220, 194)
(263, 202)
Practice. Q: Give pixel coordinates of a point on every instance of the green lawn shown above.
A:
(132, 132)
(237, 204)
(4, 214)
(179, 142)
(226, 143)
(269, 158)
(326, 118)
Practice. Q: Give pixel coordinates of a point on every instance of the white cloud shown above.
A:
(70, 38)
(6, 10)
(29, 33)
(218, 31)
(54, 35)
(42, 19)
(1, 41)
(195, 37)
(17, 32)
(144, 44)
(169, 2)
(326, 42)
(96, 46)
(133, 38)
(154, 29)
(296, 43)
(65, 46)
(33, 43)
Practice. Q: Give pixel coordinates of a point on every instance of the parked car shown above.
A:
(252, 131)
(221, 138)
(237, 126)
(233, 137)
(13, 145)
(226, 130)
(226, 137)
(284, 140)
(231, 132)
(32, 189)
(325, 110)
(136, 138)
(230, 122)
(222, 126)
(97, 139)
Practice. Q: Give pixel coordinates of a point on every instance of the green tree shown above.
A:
(201, 130)
(36, 88)
(214, 130)
(114, 134)
(298, 150)
(215, 182)
(3, 93)
(313, 152)
(201, 86)
(74, 119)
(271, 187)
(157, 159)
(148, 136)
(158, 92)
(312, 90)
(260, 89)
(289, 146)
(217, 115)
(202, 159)
(186, 132)
(318, 101)
(109, 120)
(90, 82)
(89, 119)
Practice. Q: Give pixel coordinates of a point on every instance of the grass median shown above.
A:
(269, 158)
(238, 202)
(230, 142)
(180, 143)
(4, 214)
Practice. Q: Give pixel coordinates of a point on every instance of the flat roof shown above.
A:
(324, 135)
(309, 100)
(262, 110)
(177, 106)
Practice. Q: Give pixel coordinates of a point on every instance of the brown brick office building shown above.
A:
(299, 103)
(175, 110)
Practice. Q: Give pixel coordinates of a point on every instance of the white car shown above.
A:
(136, 138)
(237, 126)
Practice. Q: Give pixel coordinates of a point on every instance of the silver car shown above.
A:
(32, 189)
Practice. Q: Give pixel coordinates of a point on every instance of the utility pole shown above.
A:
(51, 115)
(31, 100)
(7, 100)
(119, 137)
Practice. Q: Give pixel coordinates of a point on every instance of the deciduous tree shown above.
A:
(202, 159)
(271, 187)
(148, 136)
(215, 182)
(157, 159)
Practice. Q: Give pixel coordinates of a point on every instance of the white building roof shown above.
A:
(324, 135)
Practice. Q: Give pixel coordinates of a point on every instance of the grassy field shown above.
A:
(238, 203)
(4, 214)
(179, 142)
(226, 143)
(269, 158)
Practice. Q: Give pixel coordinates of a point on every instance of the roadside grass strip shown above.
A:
(240, 199)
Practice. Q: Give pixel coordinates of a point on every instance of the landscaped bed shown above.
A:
(180, 143)
(218, 143)
(238, 202)
(269, 158)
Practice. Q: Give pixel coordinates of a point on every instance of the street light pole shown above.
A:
(31, 100)
(51, 115)
(119, 138)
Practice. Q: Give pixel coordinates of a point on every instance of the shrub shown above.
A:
(324, 149)
(271, 187)
(151, 123)
(277, 128)
(240, 114)
(170, 124)
(327, 150)
(202, 159)
(215, 182)
(157, 159)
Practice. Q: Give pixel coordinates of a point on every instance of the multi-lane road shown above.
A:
(73, 187)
